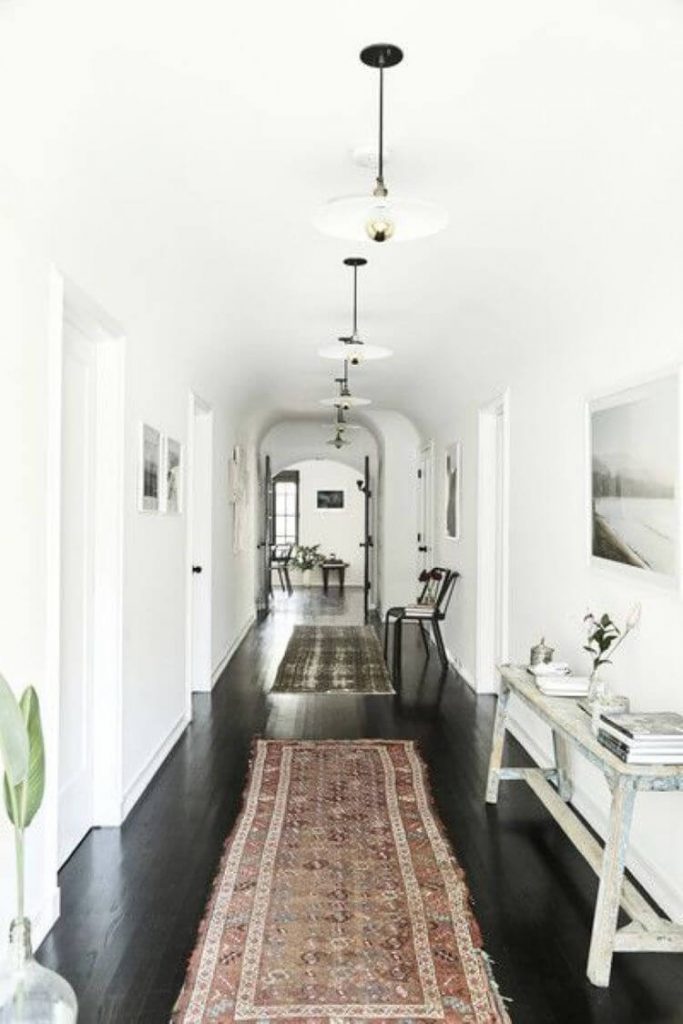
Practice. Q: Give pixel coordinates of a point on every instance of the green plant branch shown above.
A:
(18, 850)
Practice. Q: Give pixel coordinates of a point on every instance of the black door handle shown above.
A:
(196, 568)
(422, 547)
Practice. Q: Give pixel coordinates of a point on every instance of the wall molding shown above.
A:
(137, 787)
(231, 649)
(459, 669)
(640, 867)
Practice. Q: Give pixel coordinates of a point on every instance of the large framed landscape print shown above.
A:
(635, 478)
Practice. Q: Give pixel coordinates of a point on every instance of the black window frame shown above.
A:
(286, 476)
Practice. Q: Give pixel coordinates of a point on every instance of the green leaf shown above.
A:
(13, 738)
(29, 793)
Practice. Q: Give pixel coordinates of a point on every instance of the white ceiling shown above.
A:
(175, 152)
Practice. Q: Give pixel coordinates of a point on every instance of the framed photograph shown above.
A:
(173, 477)
(635, 479)
(150, 469)
(330, 499)
(453, 473)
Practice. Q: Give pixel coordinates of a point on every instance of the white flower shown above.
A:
(633, 617)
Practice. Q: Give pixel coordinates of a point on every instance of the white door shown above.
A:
(200, 524)
(77, 590)
(425, 508)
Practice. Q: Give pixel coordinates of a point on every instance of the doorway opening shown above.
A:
(314, 509)
(493, 542)
(86, 563)
(198, 671)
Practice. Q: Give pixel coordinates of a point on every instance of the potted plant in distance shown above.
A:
(29, 992)
(306, 558)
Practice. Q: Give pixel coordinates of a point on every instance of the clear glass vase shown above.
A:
(597, 697)
(601, 699)
(29, 992)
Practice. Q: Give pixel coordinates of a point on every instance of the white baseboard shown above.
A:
(668, 898)
(462, 671)
(134, 791)
(232, 648)
(459, 668)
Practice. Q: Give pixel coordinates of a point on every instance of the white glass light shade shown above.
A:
(350, 216)
(345, 401)
(356, 352)
(339, 441)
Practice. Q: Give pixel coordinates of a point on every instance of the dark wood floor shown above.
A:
(132, 897)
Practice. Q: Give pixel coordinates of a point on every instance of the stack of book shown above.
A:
(644, 738)
(554, 679)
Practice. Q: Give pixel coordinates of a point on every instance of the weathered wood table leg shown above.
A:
(564, 779)
(497, 743)
(611, 879)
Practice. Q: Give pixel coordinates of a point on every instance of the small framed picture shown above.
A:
(452, 468)
(149, 469)
(330, 499)
(635, 455)
(173, 477)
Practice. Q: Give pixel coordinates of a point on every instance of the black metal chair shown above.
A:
(280, 556)
(425, 612)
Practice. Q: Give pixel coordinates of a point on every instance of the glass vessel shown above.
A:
(600, 699)
(29, 992)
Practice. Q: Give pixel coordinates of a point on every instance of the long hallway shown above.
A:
(132, 899)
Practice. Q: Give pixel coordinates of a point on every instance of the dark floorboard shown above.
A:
(132, 898)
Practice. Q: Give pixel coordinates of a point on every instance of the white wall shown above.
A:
(396, 540)
(23, 552)
(335, 530)
(551, 581)
(153, 655)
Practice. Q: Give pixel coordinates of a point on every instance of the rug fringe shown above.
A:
(500, 1000)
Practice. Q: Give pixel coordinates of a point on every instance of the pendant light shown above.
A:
(338, 441)
(379, 216)
(344, 400)
(341, 422)
(352, 348)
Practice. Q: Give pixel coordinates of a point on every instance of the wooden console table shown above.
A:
(571, 727)
(328, 567)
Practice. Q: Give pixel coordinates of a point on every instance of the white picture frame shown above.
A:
(173, 467)
(634, 474)
(452, 489)
(149, 469)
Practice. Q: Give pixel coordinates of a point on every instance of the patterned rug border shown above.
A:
(498, 1001)
(334, 692)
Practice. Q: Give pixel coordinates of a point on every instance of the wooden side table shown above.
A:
(571, 728)
(328, 567)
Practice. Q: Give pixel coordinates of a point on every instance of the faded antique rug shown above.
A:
(333, 659)
(338, 898)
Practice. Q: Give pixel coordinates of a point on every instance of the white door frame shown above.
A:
(426, 504)
(196, 407)
(493, 518)
(68, 304)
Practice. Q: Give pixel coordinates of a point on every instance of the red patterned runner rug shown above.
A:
(338, 898)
